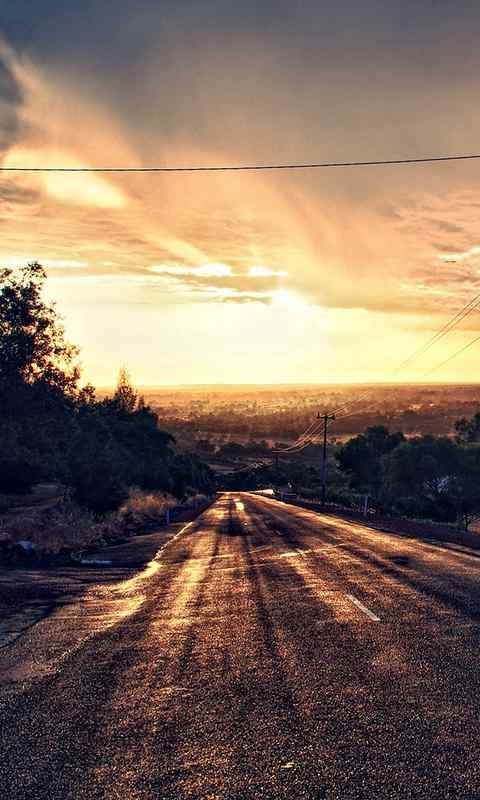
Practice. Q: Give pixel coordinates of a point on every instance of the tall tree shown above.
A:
(33, 348)
(39, 376)
(125, 395)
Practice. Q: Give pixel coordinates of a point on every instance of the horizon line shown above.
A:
(165, 386)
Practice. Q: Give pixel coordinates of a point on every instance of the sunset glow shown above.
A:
(182, 257)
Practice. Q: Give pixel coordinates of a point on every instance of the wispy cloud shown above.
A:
(221, 282)
(401, 242)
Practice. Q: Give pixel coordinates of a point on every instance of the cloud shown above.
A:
(376, 256)
(220, 282)
(205, 271)
(10, 101)
(456, 257)
(344, 239)
(51, 126)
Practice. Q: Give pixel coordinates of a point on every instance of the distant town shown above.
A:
(279, 414)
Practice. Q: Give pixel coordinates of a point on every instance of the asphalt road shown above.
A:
(267, 652)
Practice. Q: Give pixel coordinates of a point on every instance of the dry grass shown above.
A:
(65, 527)
(68, 528)
(143, 508)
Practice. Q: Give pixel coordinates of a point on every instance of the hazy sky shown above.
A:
(328, 275)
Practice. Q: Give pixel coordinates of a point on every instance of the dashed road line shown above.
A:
(363, 608)
(293, 553)
(302, 553)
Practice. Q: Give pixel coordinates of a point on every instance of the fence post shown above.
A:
(365, 506)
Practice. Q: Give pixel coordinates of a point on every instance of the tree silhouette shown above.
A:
(51, 429)
(33, 348)
(125, 395)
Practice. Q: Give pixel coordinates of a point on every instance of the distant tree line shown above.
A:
(52, 429)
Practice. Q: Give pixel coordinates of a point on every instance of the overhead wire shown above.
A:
(306, 437)
(252, 167)
(433, 369)
(473, 305)
(452, 356)
(304, 440)
(462, 314)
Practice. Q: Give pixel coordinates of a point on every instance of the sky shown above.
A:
(259, 277)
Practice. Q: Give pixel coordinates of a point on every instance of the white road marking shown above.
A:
(363, 608)
(302, 553)
(293, 554)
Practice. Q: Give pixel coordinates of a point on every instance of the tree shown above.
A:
(465, 487)
(468, 430)
(125, 395)
(421, 475)
(52, 429)
(361, 458)
(97, 465)
(39, 375)
(33, 348)
(423, 464)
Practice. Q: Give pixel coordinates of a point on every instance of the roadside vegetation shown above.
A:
(108, 463)
(425, 477)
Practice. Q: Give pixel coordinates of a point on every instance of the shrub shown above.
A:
(142, 508)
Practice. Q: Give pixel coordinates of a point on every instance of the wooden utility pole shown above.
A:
(326, 420)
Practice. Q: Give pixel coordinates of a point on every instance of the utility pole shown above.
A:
(326, 419)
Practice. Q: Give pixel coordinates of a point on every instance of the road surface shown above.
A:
(267, 652)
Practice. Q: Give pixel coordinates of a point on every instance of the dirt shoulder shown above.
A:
(26, 595)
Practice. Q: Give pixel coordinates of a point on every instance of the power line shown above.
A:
(473, 305)
(346, 405)
(252, 167)
(304, 439)
(300, 444)
(312, 431)
(454, 355)
(429, 372)
(453, 322)
(308, 437)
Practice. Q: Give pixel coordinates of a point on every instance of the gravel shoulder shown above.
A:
(28, 595)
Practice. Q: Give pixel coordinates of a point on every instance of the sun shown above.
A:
(284, 298)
